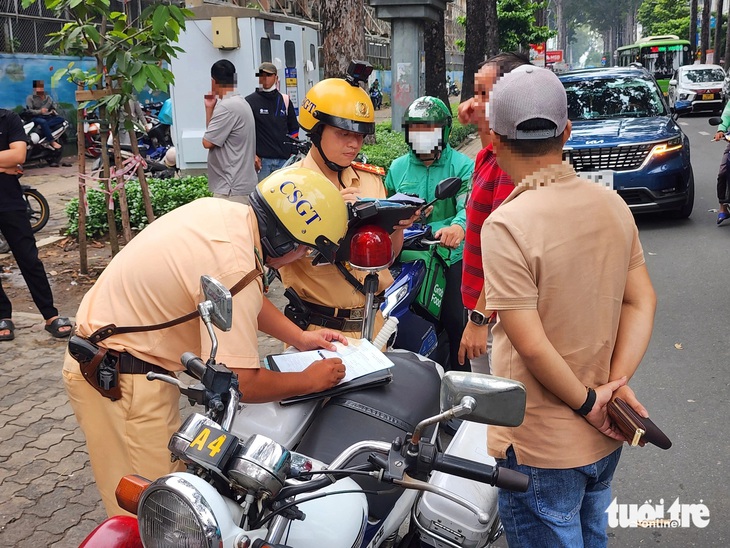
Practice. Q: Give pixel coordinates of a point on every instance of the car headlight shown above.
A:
(172, 512)
(675, 143)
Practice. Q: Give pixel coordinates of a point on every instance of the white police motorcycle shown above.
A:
(248, 490)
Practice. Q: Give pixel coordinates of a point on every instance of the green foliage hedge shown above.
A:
(390, 145)
(166, 195)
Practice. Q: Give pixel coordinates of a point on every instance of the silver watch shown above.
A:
(477, 318)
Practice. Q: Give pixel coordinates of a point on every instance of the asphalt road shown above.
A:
(683, 378)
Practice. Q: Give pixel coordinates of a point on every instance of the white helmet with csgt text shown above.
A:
(296, 206)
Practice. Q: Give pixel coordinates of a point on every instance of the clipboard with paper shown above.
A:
(365, 366)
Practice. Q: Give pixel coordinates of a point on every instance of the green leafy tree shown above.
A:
(517, 28)
(130, 55)
(664, 17)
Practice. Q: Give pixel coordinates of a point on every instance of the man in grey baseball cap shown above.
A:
(564, 269)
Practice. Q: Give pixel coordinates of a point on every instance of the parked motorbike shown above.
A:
(38, 212)
(39, 149)
(376, 96)
(242, 491)
(454, 89)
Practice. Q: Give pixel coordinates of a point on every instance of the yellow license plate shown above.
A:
(708, 96)
(212, 446)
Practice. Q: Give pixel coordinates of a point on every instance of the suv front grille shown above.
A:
(616, 158)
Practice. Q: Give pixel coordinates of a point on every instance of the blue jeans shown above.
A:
(561, 508)
(269, 165)
(47, 123)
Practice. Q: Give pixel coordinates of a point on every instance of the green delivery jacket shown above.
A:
(409, 175)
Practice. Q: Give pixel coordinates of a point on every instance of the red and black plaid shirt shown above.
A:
(490, 186)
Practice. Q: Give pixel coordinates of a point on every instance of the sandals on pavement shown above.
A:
(7, 325)
(55, 328)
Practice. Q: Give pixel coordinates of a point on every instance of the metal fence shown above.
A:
(27, 30)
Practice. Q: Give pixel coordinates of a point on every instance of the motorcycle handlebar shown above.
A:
(484, 473)
(193, 365)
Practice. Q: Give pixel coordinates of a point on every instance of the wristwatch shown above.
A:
(477, 318)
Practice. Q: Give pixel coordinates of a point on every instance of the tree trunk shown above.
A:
(482, 39)
(717, 43)
(113, 240)
(343, 35)
(693, 28)
(727, 46)
(80, 141)
(561, 25)
(435, 55)
(705, 30)
(144, 187)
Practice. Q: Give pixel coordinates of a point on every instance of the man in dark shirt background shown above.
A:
(275, 120)
(16, 229)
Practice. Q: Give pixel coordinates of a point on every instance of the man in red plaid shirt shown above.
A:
(490, 186)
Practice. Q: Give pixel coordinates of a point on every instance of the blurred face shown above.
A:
(39, 90)
(484, 81)
(426, 140)
(294, 255)
(341, 146)
(267, 81)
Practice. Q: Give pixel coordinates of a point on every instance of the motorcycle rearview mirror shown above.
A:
(498, 401)
(448, 188)
(715, 121)
(216, 309)
(221, 302)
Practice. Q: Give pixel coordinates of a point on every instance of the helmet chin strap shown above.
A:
(316, 138)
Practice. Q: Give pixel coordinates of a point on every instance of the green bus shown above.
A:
(660, 55)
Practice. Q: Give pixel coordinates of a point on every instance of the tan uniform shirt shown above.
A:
(325, 285)
(563, 246)
(156, 278)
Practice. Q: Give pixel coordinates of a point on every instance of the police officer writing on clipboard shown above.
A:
(156, 279)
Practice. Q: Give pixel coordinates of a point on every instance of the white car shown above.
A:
(698, 85)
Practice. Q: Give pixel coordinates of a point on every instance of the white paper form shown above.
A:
(359, 356)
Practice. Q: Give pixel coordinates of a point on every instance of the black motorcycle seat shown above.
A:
(381, 413)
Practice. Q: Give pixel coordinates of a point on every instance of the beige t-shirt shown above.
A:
(325, 285)
(156, 278)
(563, 246)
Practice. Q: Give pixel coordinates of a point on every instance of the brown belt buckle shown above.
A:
(357, 314)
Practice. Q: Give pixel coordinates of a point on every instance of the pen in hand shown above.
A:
(321, 355)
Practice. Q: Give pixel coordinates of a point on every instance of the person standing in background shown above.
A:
(490, 186)
(276, 120)
(230, 137)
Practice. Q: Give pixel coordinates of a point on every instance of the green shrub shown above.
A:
(166, 195)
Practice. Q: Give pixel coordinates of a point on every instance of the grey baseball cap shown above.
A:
(268, 68)
(528, 93)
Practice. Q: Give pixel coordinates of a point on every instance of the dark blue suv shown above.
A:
(626, 137)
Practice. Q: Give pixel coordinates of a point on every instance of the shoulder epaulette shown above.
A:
(370, 168)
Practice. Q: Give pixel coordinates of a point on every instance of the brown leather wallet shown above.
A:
(635, 427)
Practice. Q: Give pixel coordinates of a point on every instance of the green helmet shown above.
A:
(428, 110)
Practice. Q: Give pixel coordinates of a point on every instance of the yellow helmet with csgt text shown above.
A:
(338, 103)
(299, 206)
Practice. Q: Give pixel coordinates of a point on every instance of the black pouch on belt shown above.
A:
(99, 367)
(296, 310)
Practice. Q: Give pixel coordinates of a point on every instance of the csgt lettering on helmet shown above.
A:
(309, 106)
(296, 196)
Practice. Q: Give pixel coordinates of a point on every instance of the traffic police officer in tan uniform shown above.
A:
(338, 115)
(156, 278)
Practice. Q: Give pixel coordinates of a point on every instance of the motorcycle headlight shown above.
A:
(173, 513)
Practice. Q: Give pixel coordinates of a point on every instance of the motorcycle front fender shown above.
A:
(115, 532)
